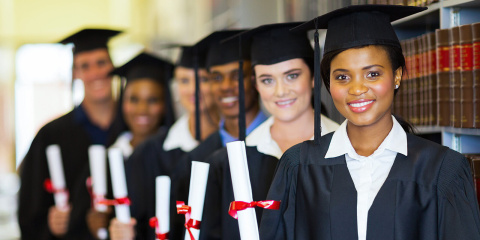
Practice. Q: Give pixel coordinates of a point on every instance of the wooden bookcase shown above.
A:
(444, 14)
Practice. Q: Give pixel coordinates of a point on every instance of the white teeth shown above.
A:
(285, 102)
(360, 104)
(229, 99)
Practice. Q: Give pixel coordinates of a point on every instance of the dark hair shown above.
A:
(397, 59)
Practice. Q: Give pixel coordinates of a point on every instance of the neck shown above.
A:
(288, 133)
(231, 124)
(366, 139)
(101, 113)
(208, 123)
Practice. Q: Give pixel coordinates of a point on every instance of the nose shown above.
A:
(280, 89)
(142, 107)
(226, 84)
(358, 87)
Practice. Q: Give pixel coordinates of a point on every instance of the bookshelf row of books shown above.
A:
(419, 3)
(441, 85)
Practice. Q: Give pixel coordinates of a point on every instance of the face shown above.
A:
(143, 106)
(362, 84)
(285, 88)
(93, 68)
(224, 86)
(185, 78)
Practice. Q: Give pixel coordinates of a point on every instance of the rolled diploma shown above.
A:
(55, 167)
(242, 189)
(96, 155)
(119, 183)
(196, 195)
(162, 204)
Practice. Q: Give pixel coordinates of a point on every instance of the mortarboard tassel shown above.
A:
(198, 135)
(317, 89)
(241, 97)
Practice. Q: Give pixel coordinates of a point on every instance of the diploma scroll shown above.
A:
(119, 184)
(98, 171)
(196, 195)
(162, 203)
(242, 189)
(57, 175)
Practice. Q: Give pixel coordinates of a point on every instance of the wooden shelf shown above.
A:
(460, 3)
(439, 129)
(429, 16)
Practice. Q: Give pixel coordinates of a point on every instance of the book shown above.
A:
(455, 69)
(476, 73)
(432, 78)
(443, 77)
(466, 77)
(474, 160)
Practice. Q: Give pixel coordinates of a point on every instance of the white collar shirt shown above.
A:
(368, 173)
(262, 138)
(179, 136)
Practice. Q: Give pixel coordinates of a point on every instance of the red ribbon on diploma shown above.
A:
(117, 201)
(239, 206)
(189, 223)
(48, 186)
(154, 224)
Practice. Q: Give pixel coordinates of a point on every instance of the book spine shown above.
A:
(476, 73)
(407, 86)
(443, 77)
(455, 69)
(466, 77)
(415, 96)
(432, 74)
(420, 82)
(426, 83)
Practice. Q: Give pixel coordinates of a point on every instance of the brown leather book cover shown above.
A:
(426, 84)
(432, 78)
(474, 160)
(407, 88)
(412, 2)
(420, 82)
(443, 77)
(466, 76)
(476, 74)
(413, 87)
(455, 70)
(371, 2)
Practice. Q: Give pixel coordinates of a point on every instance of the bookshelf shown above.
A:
(444, 14)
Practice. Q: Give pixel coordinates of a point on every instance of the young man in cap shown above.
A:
(87, 124)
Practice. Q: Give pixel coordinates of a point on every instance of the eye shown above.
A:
(183, 80)
(216, 77)
(153, 100)
(266, 81)
(292, 76)
(84, 66)
(102, 62)
(234, 75)
(340, 77)
(373, 74)
(203, 79)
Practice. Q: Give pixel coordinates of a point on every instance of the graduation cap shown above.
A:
(89, 39)
(274, 43)
(353, 26)
(219, 53)
(145, 65)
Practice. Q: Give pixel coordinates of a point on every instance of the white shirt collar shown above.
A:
(123, 143)
(262, 139)
(395, 141)
(179, 136)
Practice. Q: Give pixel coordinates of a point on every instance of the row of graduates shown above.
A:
(369, 179)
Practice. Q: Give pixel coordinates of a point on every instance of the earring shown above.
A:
(396, 86)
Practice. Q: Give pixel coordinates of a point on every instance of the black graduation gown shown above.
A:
(427, 195)
(148, 161)
(216, 222)
(34, 201)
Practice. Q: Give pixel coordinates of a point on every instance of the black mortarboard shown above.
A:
(274, 43)
(145, 65)
(188, 56)
(218, 53)
(89, 39)
(349, 27)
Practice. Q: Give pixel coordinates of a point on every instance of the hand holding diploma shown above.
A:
(119, 185)
(57, 183)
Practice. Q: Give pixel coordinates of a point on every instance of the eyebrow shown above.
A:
(285, 73)
(364, 68)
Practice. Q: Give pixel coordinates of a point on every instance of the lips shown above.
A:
(359, 106)
(142, 120)
(229, 101)
(285, 103)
